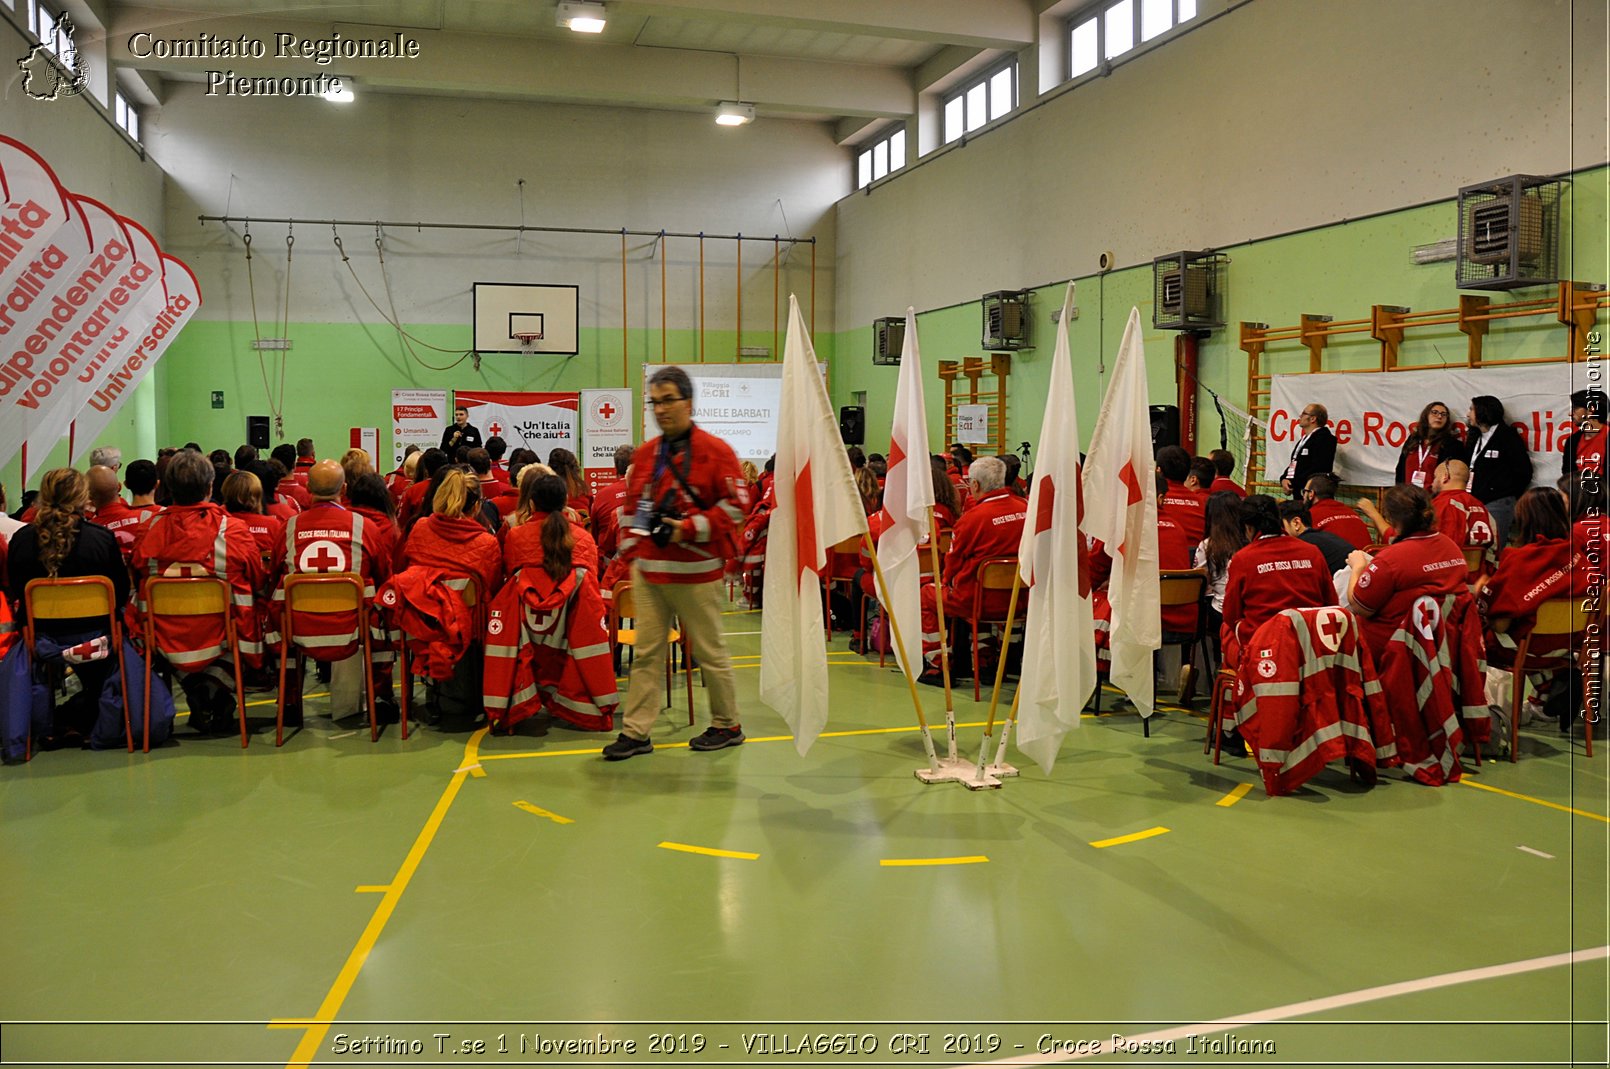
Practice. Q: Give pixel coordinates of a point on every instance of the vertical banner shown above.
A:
(606, 425)
(367, 439)
(417, 418)
(35, 212)
(540, 422)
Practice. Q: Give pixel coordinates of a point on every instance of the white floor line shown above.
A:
(1319, 1005)
(1537, 853)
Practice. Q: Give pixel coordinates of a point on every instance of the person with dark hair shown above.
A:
(459, 434)
(1224, 467)
(368, 497)
(398, 481)
(480, 462)
(1013, 466)
(1584, 449)
(541, 535)
(1500, 465)
(245, 457)
(1272, 573)
(607, 503)
(220, 471)
(61, 544)
(568, 468)
(1432, 439)
(496, 448)
(1541, 563)
(305, 459)
(857, 457)
(1419, 562)
(688, 501)
(1297, 521)
(269, 473)
(1224, 537)
(1184, 506)
(1313, 452)
(1329, 514)
(879, 465)
(284, 455)
(197, 537)
(140, 480)
(947, 501)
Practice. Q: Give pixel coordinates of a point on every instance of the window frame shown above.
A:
(983, 80)
(1097, 13)
(866, 156)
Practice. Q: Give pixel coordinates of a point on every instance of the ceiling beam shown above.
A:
(975, 23)
(522, 67)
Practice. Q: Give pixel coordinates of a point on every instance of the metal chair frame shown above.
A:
(70, 598)
(191, 595)
(325, 592)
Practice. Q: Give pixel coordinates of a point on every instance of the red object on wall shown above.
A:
(1185, 377)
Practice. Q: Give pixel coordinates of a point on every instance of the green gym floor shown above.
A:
(336, 902)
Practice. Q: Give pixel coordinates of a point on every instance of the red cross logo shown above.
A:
(322, 556)
(495, 427)
(184, 570)
(1425, 616)
(1331, 625)
(607, 410)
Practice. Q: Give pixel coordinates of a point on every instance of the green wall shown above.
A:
(1339, 270)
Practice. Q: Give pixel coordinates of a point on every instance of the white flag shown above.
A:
(1121, 510)
(817, 507)
(1059, 652)
(908, 495)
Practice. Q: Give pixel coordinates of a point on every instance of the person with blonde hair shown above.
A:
(451, 538)
(356, 462)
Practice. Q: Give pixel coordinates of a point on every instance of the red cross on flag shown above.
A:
(1121, 510)
(908, 497)
(817, 502)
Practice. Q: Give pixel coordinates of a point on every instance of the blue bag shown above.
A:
(108, 733)
(25, 704)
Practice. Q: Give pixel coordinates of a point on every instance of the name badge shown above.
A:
(1490, 453)
(1418, 479)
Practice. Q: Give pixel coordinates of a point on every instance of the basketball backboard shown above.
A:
(507, 314)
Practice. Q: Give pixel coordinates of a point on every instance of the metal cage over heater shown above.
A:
(888, 340)
(1509, 233)
(1006, 321)
(1187, 290)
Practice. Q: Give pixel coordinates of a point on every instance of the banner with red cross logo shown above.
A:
(540, 422)
(606, 424)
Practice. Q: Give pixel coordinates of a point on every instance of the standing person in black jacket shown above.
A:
(1314, 452)
(1500, 465)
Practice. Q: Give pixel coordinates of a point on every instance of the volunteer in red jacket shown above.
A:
(1224, 467)
(1420, 561)
(1187, 508)
(607, 504)
(196, 537)
(1460, 514)
(243, 498)
(110, 511)
(1272, 573)
(1330, 515)
(991, 527)
(522, 544)
(687, 500)
(452, 539)
(1585, 449)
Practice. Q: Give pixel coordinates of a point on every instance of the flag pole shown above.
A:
(1000, 767)
(944, 639)
(1000, 673)
(888, 602)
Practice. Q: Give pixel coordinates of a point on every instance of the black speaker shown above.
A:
(257, 431)
(852, 424)
(1165, 426)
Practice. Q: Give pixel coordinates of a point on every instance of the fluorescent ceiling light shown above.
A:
(582, 16)
(340, 91)
(735, 113)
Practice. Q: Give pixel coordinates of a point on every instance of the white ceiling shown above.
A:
(853, 63)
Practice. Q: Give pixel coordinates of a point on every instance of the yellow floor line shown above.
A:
(1100, 844)
(1535, 801)
(555, 817)
(686, 849)
(371, 888)
(472, 755)
(1236, 795)
(740, 612)
(271, 701)
(901, 862)
(319, 1025)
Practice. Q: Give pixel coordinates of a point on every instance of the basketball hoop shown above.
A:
(528, 338)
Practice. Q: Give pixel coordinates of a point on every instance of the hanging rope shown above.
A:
(405, 339)
(257, 333)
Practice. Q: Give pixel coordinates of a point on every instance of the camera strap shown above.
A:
(664, 460)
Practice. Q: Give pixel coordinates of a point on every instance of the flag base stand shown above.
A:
(1001, 771)
(961, 771)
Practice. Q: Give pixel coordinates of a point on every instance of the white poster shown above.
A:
(972, 424)
(418, 417)
(367, 439)
(737, 403)
(606, 425)
(1371, 414)
(540, 422)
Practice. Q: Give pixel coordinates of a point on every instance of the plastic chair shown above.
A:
(69, 599)
(326, 592)
(1184, 587)
(198, 595)
(622, 607)
(1562, 624)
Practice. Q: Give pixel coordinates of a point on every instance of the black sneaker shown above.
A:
(931, 677)
(715, 738)
(625, 746)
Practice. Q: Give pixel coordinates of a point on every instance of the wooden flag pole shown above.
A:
(1000, 671)
(1006, 732)
(944, 640)
(894, 626)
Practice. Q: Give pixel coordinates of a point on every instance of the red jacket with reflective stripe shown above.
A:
(1432, 678)
(437, 624)
(203, 540)
(459, 545)
(992, 527)
(547, 646)
(710, 525)
(324, 539)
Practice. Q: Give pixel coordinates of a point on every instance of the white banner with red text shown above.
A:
(417, 418)
(1372, 413)
(540, 422)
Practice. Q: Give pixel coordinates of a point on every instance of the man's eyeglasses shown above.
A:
(661, 402)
